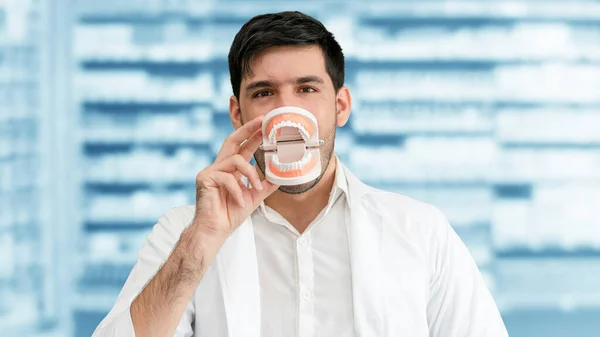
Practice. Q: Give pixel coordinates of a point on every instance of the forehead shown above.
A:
(287, 62)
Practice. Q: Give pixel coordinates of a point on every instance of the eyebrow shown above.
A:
(259, 84)
(298, 80)
(309, 79)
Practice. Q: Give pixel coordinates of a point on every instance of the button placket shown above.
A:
(306, 286)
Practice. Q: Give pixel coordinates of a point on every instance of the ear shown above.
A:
(235, 113)
(343, 106)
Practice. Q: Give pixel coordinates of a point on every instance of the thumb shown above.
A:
(268, 189)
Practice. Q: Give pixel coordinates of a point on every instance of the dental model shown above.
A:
(291, 144)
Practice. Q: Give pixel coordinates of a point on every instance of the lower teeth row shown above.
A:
(291, 166)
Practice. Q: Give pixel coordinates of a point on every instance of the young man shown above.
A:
(332, 257)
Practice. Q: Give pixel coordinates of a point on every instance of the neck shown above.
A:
(301, 209)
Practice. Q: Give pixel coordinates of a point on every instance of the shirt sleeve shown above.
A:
(154, 252)
(460, 304)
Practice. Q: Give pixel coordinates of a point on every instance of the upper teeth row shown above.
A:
(292, 166)
(282, 124)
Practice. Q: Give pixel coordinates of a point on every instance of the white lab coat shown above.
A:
(411, 275)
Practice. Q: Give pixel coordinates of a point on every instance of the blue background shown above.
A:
(488, 109)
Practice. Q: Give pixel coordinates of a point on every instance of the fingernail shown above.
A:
(259, 186)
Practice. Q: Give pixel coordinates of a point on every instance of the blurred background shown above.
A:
(488, 109)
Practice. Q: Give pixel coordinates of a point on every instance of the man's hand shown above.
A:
(223, 203)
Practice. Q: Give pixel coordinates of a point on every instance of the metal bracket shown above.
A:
(293, 141)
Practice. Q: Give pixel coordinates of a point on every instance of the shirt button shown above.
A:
(303, 241)
(306, 295)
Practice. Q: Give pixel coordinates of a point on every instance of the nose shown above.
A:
(287, 97)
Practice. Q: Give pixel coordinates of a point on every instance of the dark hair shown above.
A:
(283, 29)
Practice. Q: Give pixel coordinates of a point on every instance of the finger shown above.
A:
(268, 189)
(251, 145)
(232, 143)
(237, 163)
(228, 182)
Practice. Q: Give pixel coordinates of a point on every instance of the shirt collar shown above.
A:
(340, 185)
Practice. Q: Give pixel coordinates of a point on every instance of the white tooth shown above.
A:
(278, 126)
(301, 129)
(297, 165)
(275, 128)
(304, 134)
(279, 165)
(306, 158)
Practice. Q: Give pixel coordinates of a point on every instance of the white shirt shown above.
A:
(410, 275)
(305, 281)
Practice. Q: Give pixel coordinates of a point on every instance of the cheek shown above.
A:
(250, 112)
(326, 127)
(320, 105)
(327, 119)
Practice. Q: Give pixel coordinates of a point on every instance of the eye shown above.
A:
(263, 93)
(308, 89)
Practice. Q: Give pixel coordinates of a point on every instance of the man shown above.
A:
(332, 257)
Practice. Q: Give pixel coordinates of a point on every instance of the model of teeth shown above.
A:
(291, 144)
